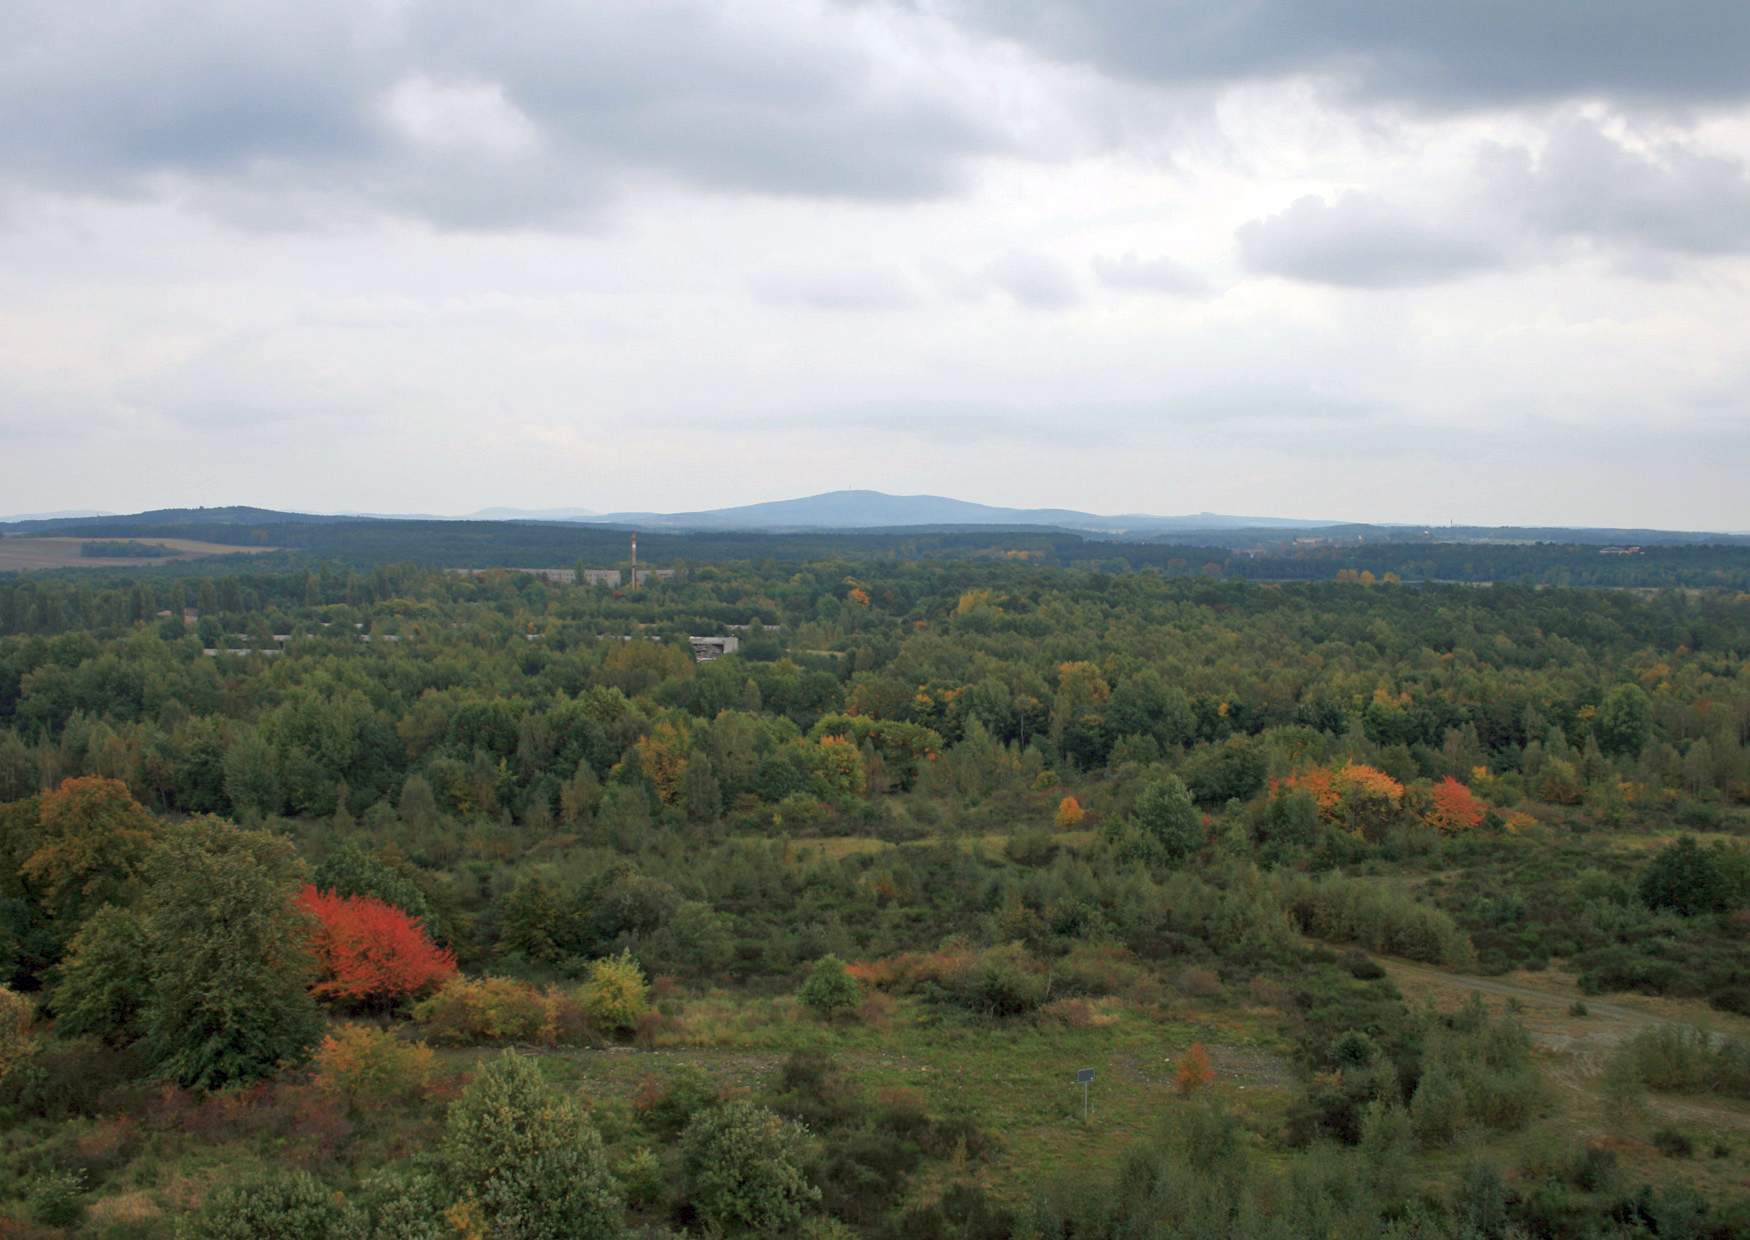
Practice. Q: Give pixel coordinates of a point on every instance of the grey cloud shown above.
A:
(1363, 242)
(1585, 184)
(1154, 275)
(1429, 53)
(1646, 207)
(847, 289)
(276, 101)
(1035, 281)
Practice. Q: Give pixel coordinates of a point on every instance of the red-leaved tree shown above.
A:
(1453, 807)
(372, 953)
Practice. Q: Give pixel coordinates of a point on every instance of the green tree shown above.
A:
(742, 1166)
(18, 774)
(17, 1042)
(525, 1160)
(615, 995)
(252, 776)
(350, 870)
(418, 807)
(701, 796)
(280, 1205)
(1170, 818)
(830, 990)
(94, 839)
(1625, 720)
(229, 956)
(1687, 879)
(106, 980)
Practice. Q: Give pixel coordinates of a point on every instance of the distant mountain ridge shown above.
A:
(70, 514)
(847, 512)
(858, 509)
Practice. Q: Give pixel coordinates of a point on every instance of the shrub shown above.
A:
(407, 1204)
(56, 1198)
(1375, 916)
(1685, 1060)
(525, 1161)
(1002, 982)
(285, 1205)
(741, 1165)
(665, 1106)
(1194, 1071)
(829, 990)
(17, 1043)
(486, 1009)
(1477, 1070)
(1674, 1143)
(1687, 879)
(368, 1066)
(615, 995)
(1437, 1109)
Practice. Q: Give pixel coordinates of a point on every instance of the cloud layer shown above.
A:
(1116, 254)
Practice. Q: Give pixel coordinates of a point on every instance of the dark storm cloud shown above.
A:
(1361, 241)
(1427, 53)
(527, 111)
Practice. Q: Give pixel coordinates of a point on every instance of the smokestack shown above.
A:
(634, 559)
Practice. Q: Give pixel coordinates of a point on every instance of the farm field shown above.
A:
(26, 554)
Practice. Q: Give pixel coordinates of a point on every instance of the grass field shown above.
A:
(25, 554)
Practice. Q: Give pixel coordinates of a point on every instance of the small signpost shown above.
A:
(1085, 1078)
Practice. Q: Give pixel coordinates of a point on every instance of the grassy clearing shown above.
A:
(1017, 1080)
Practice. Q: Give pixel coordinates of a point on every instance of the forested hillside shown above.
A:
(810, 939)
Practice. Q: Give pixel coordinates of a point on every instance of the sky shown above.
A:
(1394, 260)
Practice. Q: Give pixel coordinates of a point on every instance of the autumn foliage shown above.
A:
(371, 1067)
(1454, 807)
(1069, 814)
(1194, 1070)
(1360, 799)
(370, 952)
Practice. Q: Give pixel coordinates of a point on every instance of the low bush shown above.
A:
(830, 990)
(366, 1066)
(615, 995)
(290, 1204)
(742, 1169)
(474, 1011)
(1686, 1060)
(1373, 915)
(56, 1198)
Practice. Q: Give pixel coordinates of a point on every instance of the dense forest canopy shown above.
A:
(406, 814)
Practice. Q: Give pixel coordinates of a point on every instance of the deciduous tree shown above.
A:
(370, 952)
(230, 960)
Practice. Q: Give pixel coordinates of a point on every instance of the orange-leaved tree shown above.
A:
(1194, 1071)
(1454, 807)
(94, 839)
(371, 953)
(1069, 813)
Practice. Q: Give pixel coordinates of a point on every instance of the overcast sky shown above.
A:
(1473, 260)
